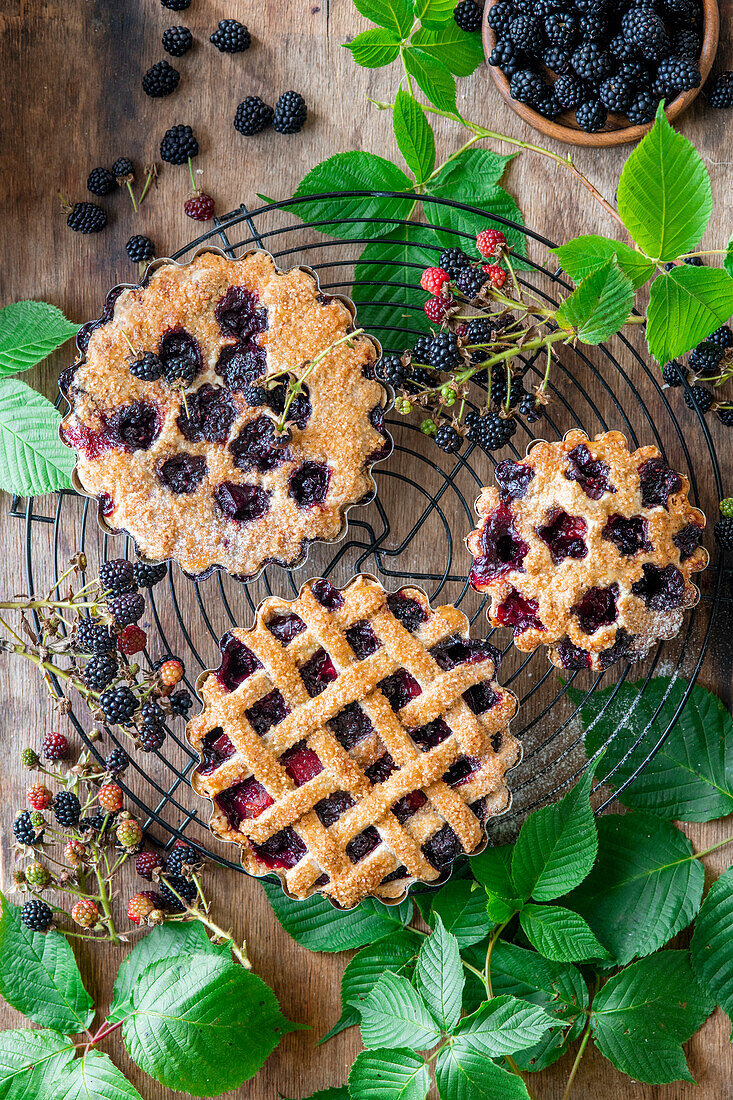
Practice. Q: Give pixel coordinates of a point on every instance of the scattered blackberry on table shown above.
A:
(527, 86)
(231, 36)
(507, 57)
(117, 576)
(721, 92)
(470, 280)
(177, 41)
(526, 34)
(146, 576)
(181, 703)
(100, 671)
(253, 116)
(199, 206)
(148, 368)
(467, 15)
(615, 93)
(643, 107)
(55, 746)
(178, 145)
(123, 169)
(500, 16)
(183, 855)
(116, 762)
(101, 181)
(705, 358)
(176, 5)
(700, 398)
(87, 217)
(127, 608)
(160, 80)
(725, 415)
(723, 531)
(493, 431)
(118, 704)
(183, 887)
(722, 337)
(676, 75)
(151, 738)
(23, 830)
(591, 116)
(290, 113)
(453, 260)
(390, 369)
(448, 439)
(569, 91)
(66, 809)
(443, 351)
(140, 248)
(674, 373)
(591, 61)
(36, 915)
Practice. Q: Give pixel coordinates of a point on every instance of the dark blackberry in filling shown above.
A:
(241, 364)
(286, 627)
(597, 608)
(327, 595)
(237, 662)
(242, 503)
(66, 378)
(376, 419)
(135, 426)
(461, 771)
(84, 334)
(591, 474)
(282, 850)
(629, 535)
(687, 540)
(480, 697)
(308, 485)
(393, 876)
(622, 645)
(564, 536)
(183, 473)
(657, 482)
(381, 769)
(216, 747)
(238, 314)
(210, 415)
(180, 354)
(399, 688)
(243, 802)
(518, 612)
(442, 848)
(513, 479)
(350, 726)
(502, 548)
(407, 610)
(428, 736)
(458, 650)
(301, 763)
(330, 809)
(318, 672)
(362, 639)
(363, 844)
(300, 407)
(267, 712)
(660, 589)
(258, 446)
(408, 805)
(572, 656)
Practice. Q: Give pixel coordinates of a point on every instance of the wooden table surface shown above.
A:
(71, 100)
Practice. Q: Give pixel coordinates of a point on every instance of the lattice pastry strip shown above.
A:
(353, 741)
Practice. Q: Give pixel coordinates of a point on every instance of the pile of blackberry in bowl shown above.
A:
(594, 71)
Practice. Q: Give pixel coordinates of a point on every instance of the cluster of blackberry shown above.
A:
(162, 79)
(287, 117)
(712, 362)
(173, 871)
(622, 57)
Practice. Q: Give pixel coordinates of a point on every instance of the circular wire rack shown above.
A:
(413, 530)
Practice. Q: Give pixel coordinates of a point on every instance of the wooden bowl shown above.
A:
(618, 129)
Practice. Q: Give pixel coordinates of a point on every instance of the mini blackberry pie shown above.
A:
(589, 549)
(175, 403)
(354, 741)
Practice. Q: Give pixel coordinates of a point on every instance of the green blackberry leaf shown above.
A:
(396, 15)
(164, 942)
(374, 48)
(33, 460)
(439, 976)
(338, 1092)
(29, 331)
(690, 778)
(389, 1074)
(645, 887)
(188, 1009)
(642, 1015)
(461, 906)
(461, 1073)
(31, 1062)
(414, 135)
(559, 934)
(315, 924)
(711, 949)
(395, 1012)
(92, 1076)
(397, 954)
(432, 78)
(493, 869)
(664, 194)
(39, 975)
(460, 52)
(728, 261)
(556, 846)
(433, 12)
(685, 306)
(583, 255)
(599, 305)
(502, 1026)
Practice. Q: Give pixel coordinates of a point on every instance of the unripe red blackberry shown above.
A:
(85, 913)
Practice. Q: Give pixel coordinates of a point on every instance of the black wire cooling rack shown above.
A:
(414, 529)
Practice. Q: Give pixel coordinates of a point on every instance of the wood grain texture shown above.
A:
(71, 100)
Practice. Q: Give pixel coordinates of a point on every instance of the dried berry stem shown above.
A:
(297, 386)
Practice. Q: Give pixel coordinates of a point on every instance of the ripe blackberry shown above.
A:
(686, 42)
(178, 145)
(117, 576)
(615, 93)
(151, 714)
(674, 373)
(182, 886)
(100, 671)
(700, 398)
(177, 41)
(148, 368)
(176, 5)
(643, 107)
(722, 337)
(127, 608)
(391, 370)
(620, 49)
(101, 822)
(725, 415)
(594, 27)
(448, 439)
(23, 830)
(467, 15)
(101, 181)
(470, 280)
(290, 113)
(591, 61)
(676, 75)
(556, 59)
(117, 761)
(526, 34)
(453, 260)
(55, 746)
(183, 855)
(549, 106)
(492, 431)
(444, 354)
(231, 37)
(479, 331)
(561, 29)
(146, 863)
(118, 704)
(723, 531)
(527, 86)
(180, 368)
(500, 16)
(140, 248)
(123, 169)
(721, 92)
(199, 207)
(67, 809)
(36, 915)
(161, 79)
(507, 57)
(634, 73)
(569, 91)
(591, 116)
(146, 576)
(530, 408)
(253, 116)
(87, 217)
(181, 703)
(421, 349)
(705, 358)
(151, 738)
(499, 389)
(645, 30)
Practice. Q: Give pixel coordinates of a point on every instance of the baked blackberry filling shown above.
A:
(182, 473)
(237, 662)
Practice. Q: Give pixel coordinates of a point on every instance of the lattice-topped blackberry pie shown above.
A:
(175, 403)
(588, 548)
(354, 741)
